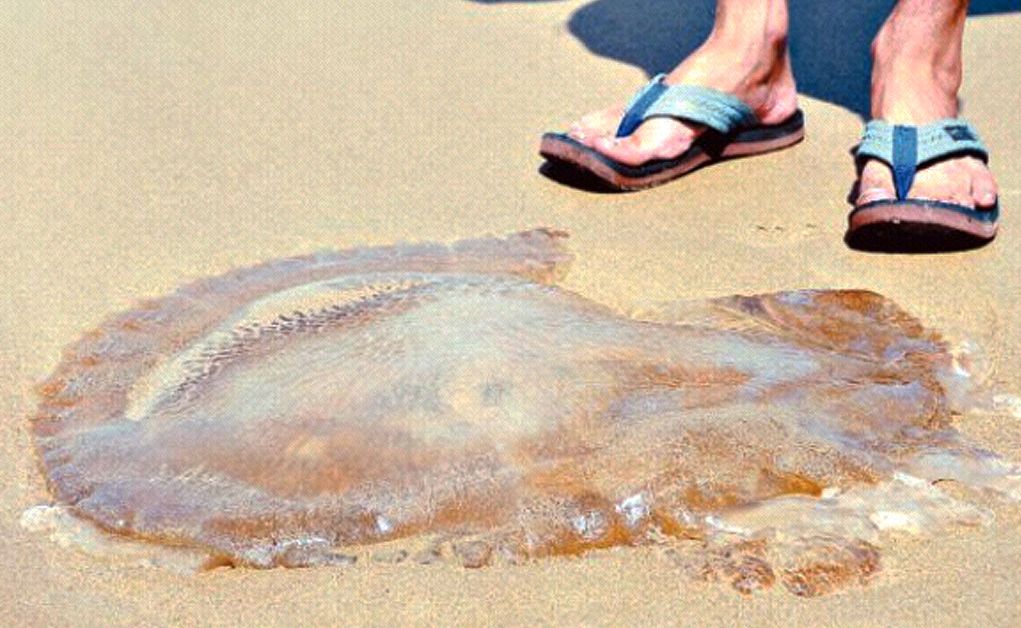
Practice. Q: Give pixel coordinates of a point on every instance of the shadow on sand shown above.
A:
(829, 41)
(829, 45)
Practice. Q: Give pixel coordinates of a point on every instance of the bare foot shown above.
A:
(915, 81)
(759, 74)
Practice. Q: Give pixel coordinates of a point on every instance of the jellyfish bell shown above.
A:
(285, 413)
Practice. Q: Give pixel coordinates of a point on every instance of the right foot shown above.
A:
(917, 74)
(760, 75)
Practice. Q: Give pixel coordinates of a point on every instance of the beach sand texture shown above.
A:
(149, 145)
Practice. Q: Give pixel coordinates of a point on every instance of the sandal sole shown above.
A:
(919, 226)
(709, 148)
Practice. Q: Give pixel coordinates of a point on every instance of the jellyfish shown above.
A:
(282, 414)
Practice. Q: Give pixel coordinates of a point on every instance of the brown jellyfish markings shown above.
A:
(279, 414)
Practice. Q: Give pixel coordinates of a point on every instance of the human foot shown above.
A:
(757, 71)
(915, 81)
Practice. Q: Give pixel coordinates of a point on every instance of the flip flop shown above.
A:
(732, 130)
(915, 224)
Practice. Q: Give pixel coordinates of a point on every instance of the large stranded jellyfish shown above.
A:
(282, 414)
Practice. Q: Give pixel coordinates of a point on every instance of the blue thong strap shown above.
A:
(702, 105)
(906, 148)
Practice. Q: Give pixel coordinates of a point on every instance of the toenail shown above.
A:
(873, 194)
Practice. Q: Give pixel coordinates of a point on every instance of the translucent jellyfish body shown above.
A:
(281, 414)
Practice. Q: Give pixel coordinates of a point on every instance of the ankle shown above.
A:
(763, 81)
(746, 55)
(751, 48)
(753, 35)
(917, 61)
(914, 78)
(918, 51)
(760, 56)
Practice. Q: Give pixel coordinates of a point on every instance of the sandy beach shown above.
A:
(147, 145)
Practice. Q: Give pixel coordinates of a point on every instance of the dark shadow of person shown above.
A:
(829, 41)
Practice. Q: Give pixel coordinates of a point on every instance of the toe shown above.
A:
(938, 189)
(983, 186)
(950, 182)
(626, 150)
(659, 138)
(876, 184)
(960, 176)
(596, 124)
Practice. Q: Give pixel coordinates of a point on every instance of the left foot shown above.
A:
(915, 81)
(759, 75)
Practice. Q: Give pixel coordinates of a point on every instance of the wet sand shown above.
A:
(147, 146)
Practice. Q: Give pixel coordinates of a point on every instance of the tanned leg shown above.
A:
(916, 76)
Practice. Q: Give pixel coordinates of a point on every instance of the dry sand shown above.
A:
(147, 144)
